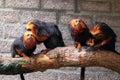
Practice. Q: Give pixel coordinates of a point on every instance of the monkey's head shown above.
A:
(29, 39)
(96, 30)
(77, 26)
(30, 27)
(97, 35)
(38, 28)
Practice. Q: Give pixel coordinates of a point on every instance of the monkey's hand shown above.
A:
(90, 42)
(77, 45)
(20, 53)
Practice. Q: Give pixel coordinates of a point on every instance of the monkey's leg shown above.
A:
(79, 47)
(103, 42)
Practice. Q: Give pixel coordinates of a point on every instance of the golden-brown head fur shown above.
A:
(77, 25)
(29, 39)
(30, 27)
(97, 32)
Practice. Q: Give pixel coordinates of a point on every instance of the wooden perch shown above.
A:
(61, 57)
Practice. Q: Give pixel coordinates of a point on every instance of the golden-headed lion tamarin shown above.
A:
(24, 47)
(46, 32)
(103, 37)
(80, 34)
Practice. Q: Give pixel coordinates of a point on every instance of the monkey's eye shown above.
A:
(77, 22)
(28, 29)
(29, 35)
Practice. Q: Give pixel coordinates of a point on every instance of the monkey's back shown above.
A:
(55, 37)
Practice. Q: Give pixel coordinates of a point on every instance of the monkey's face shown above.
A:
(97, 32)
(30, 27)
(29, 39)
(77, 26)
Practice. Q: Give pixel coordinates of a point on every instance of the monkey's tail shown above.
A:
(22, 77)
(82, 75)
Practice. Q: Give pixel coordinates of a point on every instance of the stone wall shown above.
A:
(15, 13)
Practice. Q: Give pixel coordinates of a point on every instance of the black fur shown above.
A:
(108, 32)
(19, 44)
(82, 37)
(54, 35)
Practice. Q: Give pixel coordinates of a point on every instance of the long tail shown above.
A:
(22, 77)
(82, 75)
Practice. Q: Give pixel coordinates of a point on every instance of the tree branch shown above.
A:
(61, 57)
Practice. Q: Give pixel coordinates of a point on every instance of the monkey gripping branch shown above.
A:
(61, 57)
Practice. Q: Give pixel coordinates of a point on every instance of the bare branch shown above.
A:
(61, 57)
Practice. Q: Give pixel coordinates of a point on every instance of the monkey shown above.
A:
(46, 32)
(103, 37)
(80, 34)
(23, 46)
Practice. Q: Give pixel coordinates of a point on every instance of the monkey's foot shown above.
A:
(91, 48)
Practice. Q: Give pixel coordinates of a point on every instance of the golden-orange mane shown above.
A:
(29, 39)
(95, 30)
(78, 25)
(30, 27)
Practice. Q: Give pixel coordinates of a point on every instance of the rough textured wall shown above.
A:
(15, 13)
